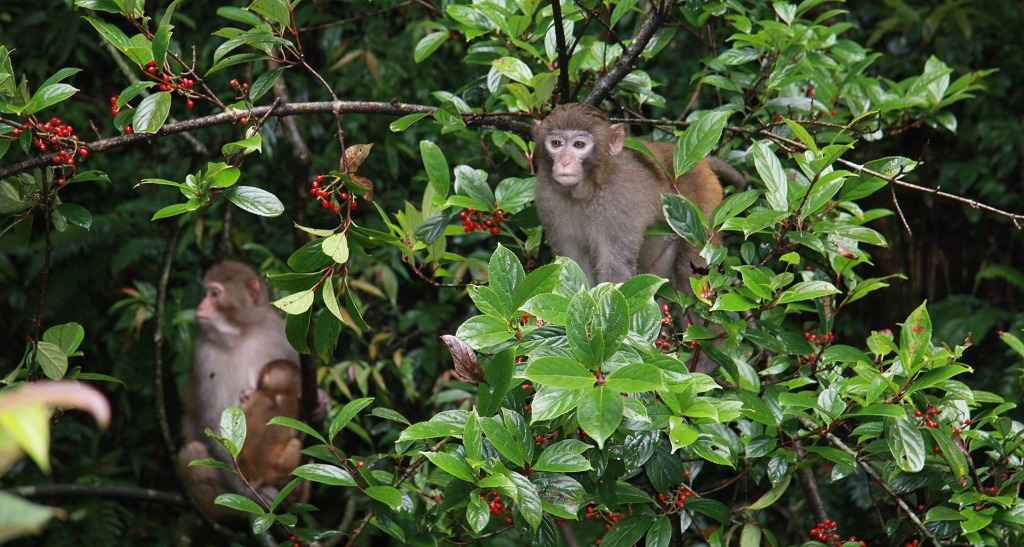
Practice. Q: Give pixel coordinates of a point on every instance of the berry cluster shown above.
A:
(323, 193)
(677, 498)
(820, 339)
(57, 136)
(825, 532)
(928, 418)
(495, 505)
(170, 82)
(610, 517)
(666, 338)
(473, 220)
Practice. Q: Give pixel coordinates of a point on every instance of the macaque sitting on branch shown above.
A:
(239, 333)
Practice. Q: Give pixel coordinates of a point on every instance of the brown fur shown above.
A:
(600, 223)
(239, 332)
(600, 218)
(272, 452)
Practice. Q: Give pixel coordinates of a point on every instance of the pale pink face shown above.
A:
(214, 312)
(570, 151)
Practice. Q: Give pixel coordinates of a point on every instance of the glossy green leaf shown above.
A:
(325, 474)
(559, 372)
(599, 413)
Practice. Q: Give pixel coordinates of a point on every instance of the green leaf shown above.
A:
(48, 96)
(484, 331)
(75, 214)
(477, 512)
(564, 457)
(527, 500)
(473, 183)
(773, 495)
(680, 433)
(802, 135)
(295, 304)
(685, 219)
(436, 165)
(336, 247)
(599, 413)
(503, 441)
(264, 83)
(152, 112)
(67, 336)
(822, 191)
(428, 45)
(453, 465)
(697, 141)
(628, 532)
(660, 533)
(732, 206)
(443, 424)
(255, 200)
(952, 453)
(278, 11)
(915, 338)
(906, 444)
(807, 290)
(345, 415)
(239, 503)
(388, 495)
(770, 170)
(161, 38)
(559, 372)
(52, 360)
(731, 301)
(233, 429)
(514, 69)
(325, 474)
(174, 210)
(222, 175)
(635, 378)
(403, 123)
(550, 402)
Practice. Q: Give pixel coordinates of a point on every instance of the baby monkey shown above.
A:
(271, 452)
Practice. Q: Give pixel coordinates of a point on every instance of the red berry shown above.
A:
(244, 121)
(189, 103)
(129, 130)
(61, 182)
(233, 83)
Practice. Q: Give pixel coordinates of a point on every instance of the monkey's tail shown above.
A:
(727, 173)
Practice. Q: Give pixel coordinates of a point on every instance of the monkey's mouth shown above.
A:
(567, 179)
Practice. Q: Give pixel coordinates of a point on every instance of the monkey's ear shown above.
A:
(254, 291)
(616, 138)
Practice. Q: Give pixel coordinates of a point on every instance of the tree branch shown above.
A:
(604, 85)
(97, 490)
(506, 121)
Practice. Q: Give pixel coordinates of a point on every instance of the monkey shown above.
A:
(271, 452)
(596, 199)
(239, 332)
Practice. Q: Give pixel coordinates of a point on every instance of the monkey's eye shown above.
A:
(579, 145)
(556, 143)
